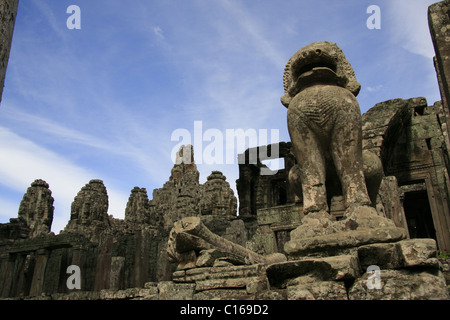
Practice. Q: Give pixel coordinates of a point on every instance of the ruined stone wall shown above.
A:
(410, 138)
(259, 191)
(112, 254)
(8, 12)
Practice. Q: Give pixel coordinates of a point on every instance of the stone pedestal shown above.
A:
(402, 270)
(321, 235)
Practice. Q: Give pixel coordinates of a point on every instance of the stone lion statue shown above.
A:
(324, 122)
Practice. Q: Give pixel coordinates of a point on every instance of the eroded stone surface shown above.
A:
(341, 241)
(402, 285)
(336, 268)
(317, 290)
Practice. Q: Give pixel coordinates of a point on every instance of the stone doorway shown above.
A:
(418, 215)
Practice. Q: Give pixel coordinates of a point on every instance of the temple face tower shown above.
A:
(138, 208)
(183, 195)
(89, 210)
(36, 208)
(218, 198)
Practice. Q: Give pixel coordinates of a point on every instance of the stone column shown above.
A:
(54, 273)
(439, 23)
(117, 272)
(8, 12)
(39, 272)
(103, 266)
(6, 274)
(85, 257)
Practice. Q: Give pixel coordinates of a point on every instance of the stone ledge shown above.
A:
(337, 268)
(324, 290)
(402, 254)
(219, 294)
(199, 274)
(402, 284)
(249, 283)
(300, 247)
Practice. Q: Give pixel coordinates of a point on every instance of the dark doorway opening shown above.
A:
(279, 192)
(418, 215)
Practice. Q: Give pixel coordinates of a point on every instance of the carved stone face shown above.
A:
(318, 63)
(85, 212)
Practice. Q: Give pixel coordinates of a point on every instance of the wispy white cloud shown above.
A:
(408, 23)
(233, 68)
(47, 14)
(374, 88)
(135, 145)
(57, 130)
(253, 29)
(158, 32)
(8, 209)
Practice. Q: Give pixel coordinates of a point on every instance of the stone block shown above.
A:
(263, 241)
(207, 258)
(401, 254)
(383, 255)
(257, 285)
(224, 283)
(193, 275)
(336, 268)
(237, 271)
(77, 295)
(324, 290)
(346, 267)
(220, 294)
(130, 293)
(389, 195)
(404, 284)
(342, 241)
(147, 294)
(418, 252)
(169, 290)
(278, 294)
(280, 215)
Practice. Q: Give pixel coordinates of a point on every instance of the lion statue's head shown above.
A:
(320, 61)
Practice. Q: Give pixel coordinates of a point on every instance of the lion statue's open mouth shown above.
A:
(319, 62)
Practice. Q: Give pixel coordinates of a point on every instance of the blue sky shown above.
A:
(102, 102)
